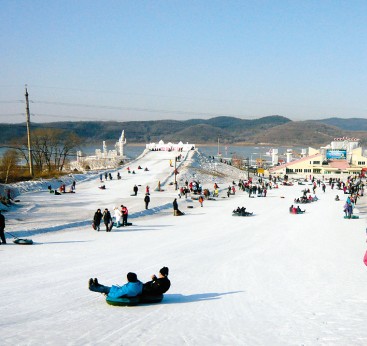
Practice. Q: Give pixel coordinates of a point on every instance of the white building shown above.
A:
(161, 146)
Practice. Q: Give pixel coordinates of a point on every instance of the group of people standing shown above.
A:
(120, 215)
(349, 206)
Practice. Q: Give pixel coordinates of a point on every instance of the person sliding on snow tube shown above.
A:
(299, 211)
(158, 285)
(131, 289)
(241, 212)
(293, 210)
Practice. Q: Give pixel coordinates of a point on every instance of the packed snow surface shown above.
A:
(270, 279)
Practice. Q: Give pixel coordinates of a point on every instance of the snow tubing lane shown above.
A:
(133, 301)
(23, 241)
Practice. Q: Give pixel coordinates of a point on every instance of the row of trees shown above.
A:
(51, 149)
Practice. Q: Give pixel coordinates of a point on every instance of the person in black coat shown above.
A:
(107, 219)
(146, 200)
(2, 228)
(176, 211)
(175, 207)
(97, 219)
(158, 285)
(135, 190)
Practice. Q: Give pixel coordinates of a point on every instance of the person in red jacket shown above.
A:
(125, 214)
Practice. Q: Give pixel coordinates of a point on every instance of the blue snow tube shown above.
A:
(123, 301)
(133, 301)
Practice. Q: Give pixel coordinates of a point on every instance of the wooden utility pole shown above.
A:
(175, 174)
(248, 169)
(28, 133)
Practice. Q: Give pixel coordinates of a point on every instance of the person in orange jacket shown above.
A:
(201, 200)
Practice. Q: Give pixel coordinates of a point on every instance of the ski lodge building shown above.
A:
(341, 156)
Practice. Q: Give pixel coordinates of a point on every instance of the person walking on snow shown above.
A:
(201, 200)
(97, 219)
(135, 190)
(107, 219)
(146, 200)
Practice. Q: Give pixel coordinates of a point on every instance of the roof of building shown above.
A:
(275, 168)
(339, 164)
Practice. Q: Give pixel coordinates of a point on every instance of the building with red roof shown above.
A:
(342, 156)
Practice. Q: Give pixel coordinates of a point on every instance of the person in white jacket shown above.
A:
(118, 216)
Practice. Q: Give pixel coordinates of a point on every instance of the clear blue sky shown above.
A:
(150, 60)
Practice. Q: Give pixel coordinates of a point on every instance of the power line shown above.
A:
(11, 114)
(63, 116)
(136, 109)
(14, 101)
(32, 150)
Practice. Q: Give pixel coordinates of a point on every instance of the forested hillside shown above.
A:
(267, 130)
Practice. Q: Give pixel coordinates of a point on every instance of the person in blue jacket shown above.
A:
(132, 288)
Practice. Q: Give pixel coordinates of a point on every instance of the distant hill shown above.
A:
(308, 133)
(352, 124)
(274, 129)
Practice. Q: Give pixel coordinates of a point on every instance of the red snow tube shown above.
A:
(365, 258)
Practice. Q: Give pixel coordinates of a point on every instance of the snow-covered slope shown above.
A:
(271, 279)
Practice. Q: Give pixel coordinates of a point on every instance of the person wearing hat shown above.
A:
(158, 285)
(132, 288)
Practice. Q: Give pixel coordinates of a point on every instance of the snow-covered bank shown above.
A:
(270, 279)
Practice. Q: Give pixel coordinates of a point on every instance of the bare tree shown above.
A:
(50, 148)
(66, 149)
(9, 165)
